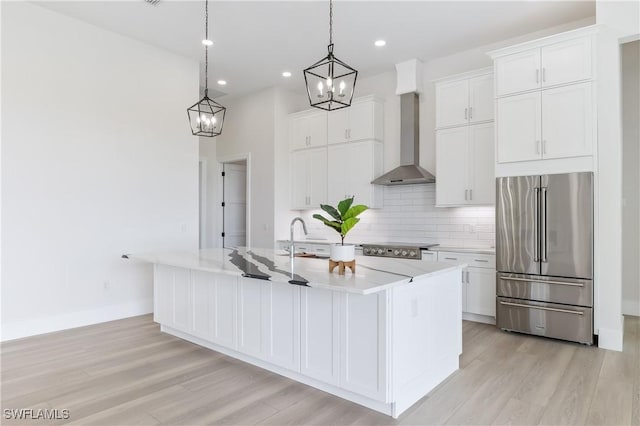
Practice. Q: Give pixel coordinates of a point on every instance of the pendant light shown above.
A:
(330, 82)
(206, 117)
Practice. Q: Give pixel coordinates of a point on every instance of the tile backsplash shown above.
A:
(410, 215)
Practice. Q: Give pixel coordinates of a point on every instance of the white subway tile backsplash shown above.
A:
(410, 215)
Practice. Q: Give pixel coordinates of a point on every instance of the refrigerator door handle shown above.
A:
(543, 231)
(536, 221)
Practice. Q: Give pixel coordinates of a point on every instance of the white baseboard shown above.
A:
(32, 327)
(479, 318)
(610, 339)
(631, 307)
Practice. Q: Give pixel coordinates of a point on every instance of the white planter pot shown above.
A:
(343, 253)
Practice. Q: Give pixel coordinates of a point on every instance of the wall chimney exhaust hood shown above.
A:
(409, 172)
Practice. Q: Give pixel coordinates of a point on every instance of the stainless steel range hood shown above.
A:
(409, 172)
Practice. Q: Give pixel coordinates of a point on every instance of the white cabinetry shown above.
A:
(552, 64)
(464, 99)
(353, 158)
(309, 178)
(545, 104)
(214, 307)
(465, 160)
(478, 284)
(351, 168)
(308, 129)
(361, 121)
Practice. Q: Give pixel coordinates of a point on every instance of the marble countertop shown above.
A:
(373, 274)
(478, 250)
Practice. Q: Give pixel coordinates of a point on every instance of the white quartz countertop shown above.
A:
(373, 274)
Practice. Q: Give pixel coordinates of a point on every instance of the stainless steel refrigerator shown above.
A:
(544, 255)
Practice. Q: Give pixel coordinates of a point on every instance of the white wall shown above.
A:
(631, 178)
(97, 161)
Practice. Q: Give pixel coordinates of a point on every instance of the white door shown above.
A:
(481, 291)
(360, 121)
(317, 128)
(518, 72)
(234, 205)
(481, 98)
(339, 164)
(453, 103)
(481, 164)
(452, 184)
(566, 62)
(519, 128)
(567, 121)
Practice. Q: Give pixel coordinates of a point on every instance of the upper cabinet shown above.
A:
(545, 104)
(308, 178)
(464, 140)
(363, 120)
(465, 99)
(308, 129)
(558, 63)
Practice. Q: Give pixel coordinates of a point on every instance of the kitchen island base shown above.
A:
(385, 350)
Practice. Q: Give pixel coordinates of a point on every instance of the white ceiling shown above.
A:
(255, 41)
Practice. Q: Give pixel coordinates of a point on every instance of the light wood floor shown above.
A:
(129, 373)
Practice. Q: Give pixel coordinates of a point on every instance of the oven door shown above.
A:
(564, 322)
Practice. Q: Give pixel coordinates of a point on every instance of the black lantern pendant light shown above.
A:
(206, 117)
(330, 82)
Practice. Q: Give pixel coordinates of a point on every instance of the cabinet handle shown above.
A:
(537, 75)
(465, 113)
(470, 194)
(544, 146)
(481, 260)
(544, 75)
(467, 277)
(466, 194)
(470, 113)
(462, 277)
(349, 133)
(451, 258)
(345, 134)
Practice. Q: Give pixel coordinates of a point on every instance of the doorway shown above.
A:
(234, 204)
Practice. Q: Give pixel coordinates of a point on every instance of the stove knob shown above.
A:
(396, 252)
(412, 253)
(380, 251)
(404, 252)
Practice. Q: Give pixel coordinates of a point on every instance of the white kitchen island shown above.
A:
(382, 337)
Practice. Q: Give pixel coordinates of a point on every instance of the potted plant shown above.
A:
(343, 219)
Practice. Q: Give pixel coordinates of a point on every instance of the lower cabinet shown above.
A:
(214, 300)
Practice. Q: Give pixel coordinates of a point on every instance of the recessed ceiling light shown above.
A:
(380, 43)
(286, 74)
(207, 42)
(222, 82)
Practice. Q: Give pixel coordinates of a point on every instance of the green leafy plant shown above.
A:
(343, 218)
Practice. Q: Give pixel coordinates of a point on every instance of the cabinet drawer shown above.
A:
(430, 256)
(545, 319)
(545, 289)
(471, 259)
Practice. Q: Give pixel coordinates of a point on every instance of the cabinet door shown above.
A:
(481, 99)
(316, 176)
(320, 335)
(481, 291)
(363, 343)
(251, 317)
(339, 125)
(282, 321)
(308, 129)
(299, 167)
(482, 187)
(308, 178)
(339, 162)
(361, 121)
(452, 184)
(566, 62)
(452, 107)
(518, 72)
(519, 128)
(464, 290)
(567, 121)
(163, 294)
(182, 299)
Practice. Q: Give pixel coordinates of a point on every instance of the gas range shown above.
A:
(399, 250)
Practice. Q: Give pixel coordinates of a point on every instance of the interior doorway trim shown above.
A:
(230, 159)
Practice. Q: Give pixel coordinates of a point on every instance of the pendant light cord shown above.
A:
(330, 22)
(206, 47)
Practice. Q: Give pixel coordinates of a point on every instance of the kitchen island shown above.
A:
(382, 337)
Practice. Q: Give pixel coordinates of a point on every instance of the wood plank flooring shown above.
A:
(127, 372)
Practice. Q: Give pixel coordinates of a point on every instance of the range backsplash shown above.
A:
(410, 215)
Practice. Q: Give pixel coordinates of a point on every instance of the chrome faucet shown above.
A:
(292, 247)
